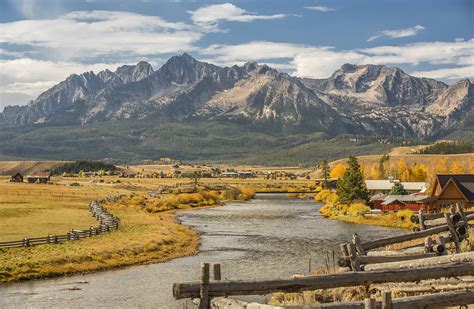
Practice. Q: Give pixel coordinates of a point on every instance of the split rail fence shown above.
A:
(107, 223)
(363, 263)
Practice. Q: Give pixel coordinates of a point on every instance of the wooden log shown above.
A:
(454, 234)
(249, 287)
(421, 220)
(441, 244)
(216, 269)
(204, 287)
(414, 218)
(428, 244)
(355, 265)
(410, 236)
(374, 259)
(369, 303)
(356, 241)
(467, 257)
(386, 300)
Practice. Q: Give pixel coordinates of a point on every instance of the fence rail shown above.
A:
(107, 223)
(361, 266)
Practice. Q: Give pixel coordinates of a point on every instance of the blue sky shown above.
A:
(42, 42)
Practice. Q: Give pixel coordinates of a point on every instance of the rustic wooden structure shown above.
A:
(451, 189)
(16, 178)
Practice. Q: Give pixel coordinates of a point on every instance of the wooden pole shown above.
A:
(356, 241)
(441, 243)
(454, 234)
(410, 236)
(216, 269)
(376, 259)
(309, 265)
(428, 244)
(369, 303)
(355, 265)
(421, 220)
(204, 286)
(386, 300)
(467, 257)
(250, 287)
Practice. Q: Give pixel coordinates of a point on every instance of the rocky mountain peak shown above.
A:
(364, 99)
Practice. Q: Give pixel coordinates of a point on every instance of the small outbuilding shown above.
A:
(16, 178)
(39, 177)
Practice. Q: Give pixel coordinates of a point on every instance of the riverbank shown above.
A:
(148, 233)
(357, 213)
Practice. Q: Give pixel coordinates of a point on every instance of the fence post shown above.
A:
(428, 244)
(55, 239)
(369, 303)
(26, 241)
(440, 242)
(357, 243)
(452, 230)
(204, 286)
(421, 220)
(48, 239)
(217, 272)
(355, 265)
(309, 265)
(387, 300)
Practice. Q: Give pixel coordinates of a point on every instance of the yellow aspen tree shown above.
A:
(456, 167)
(419, 172)
(374, 172)
(338, 170)
(442, 166)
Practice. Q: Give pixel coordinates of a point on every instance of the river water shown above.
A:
(270, 237)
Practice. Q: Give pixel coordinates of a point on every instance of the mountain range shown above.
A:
(363, 100)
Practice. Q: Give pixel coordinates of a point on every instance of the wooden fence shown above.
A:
(361, 264)
(107, 223)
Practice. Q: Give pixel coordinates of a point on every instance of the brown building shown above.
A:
(450, 189)
(39, 177)
(16, 178)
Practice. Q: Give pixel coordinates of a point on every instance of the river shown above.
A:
(269, 237)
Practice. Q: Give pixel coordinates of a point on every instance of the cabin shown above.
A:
(229, 175)
(384, 186)
(39, 177)
(413, 202)
(449, 189)
(245, 174)
(16, 178)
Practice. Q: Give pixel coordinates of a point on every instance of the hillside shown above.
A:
(8, 168)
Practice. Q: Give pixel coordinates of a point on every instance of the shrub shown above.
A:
(404, 215)
(358, 209)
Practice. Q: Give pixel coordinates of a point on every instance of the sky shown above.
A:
(44, 41)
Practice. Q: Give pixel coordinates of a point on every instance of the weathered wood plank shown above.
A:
(248, 287)
(467, 257)
(374, 259)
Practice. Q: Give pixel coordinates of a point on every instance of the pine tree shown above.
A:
(351, 185)
(398, 189)
(325, 173)
(382, 161)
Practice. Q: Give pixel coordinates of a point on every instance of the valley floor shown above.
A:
(148, 230)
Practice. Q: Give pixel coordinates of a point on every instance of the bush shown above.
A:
(404, 215)
(358, 209)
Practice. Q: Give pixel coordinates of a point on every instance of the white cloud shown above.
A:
(31, 77)
(81, 34)
(208, 17)
(400, 33)
(322, 61)
(448, 73)
(319, 8)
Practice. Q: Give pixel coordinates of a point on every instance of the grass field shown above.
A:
(36, 210)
